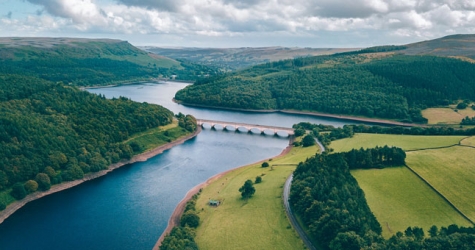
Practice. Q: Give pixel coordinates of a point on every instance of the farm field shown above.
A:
(469, 141)
(406, 142)
(446, 115)
(399, 199)
(258, 223)
(451, 171)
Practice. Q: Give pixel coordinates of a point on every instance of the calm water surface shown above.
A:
(130, 207)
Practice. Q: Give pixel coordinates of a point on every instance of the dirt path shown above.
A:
(60, 187)
(180, 208)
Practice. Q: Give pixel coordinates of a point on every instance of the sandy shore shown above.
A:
(180, 208)
(60, 187)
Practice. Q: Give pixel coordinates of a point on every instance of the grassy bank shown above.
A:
(451, 172)
(257, 223)
(158, 136)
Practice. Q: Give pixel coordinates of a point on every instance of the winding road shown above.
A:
(288, 210)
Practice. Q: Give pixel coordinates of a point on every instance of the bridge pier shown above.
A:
(239, 127)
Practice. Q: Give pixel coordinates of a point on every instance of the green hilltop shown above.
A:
(381, 82)
(86, 62)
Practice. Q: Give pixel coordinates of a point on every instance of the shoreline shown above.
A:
(180, 208)
(13, 207)
(311, 113)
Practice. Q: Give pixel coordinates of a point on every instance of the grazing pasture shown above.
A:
(257, 223)
(451, 171)
(399, 199)
(406, 142)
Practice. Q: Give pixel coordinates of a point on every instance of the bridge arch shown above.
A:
(246, 128)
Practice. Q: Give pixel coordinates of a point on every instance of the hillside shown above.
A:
(462, 46)
(230, 59)
(52, 132)
(88, 61)
(379, 82)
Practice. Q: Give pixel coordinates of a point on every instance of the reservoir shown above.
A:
(129, 208)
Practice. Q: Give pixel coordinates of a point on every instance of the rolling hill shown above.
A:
(230, 59)
(379, 82)
(86, 62)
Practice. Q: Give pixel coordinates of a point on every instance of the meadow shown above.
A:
(406, 142)
(469, 141)
(257, 223)
(399, 199)
(447, 115)
(451, 171)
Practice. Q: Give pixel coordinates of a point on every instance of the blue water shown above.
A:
(130, 207)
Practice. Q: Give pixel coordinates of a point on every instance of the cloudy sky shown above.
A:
(241, 23)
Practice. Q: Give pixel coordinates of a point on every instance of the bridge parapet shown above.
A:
(236, 126)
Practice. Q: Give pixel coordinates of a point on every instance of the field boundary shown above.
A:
(442, 147)
(439, 193)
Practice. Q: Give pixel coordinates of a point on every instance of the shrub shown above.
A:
(265, 164)
(190, 219)
(258, 179)
(18, 191)
(44, 183)
(31, 186)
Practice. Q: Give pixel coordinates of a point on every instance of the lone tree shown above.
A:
(258, 179)
(265, 164)
(247, 190)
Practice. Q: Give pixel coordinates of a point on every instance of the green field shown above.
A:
(399, 199)
(469, 141)
(451, 171)
(406, 142)
(158, 136)
(260, 222)
(447, 115)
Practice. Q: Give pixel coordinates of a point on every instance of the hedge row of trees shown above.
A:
(378, 157)
(52, 133)
(396, 87)
(183, 236)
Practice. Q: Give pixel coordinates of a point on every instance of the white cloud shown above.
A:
(200, 19)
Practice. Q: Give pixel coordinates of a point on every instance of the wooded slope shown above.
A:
(382, 85)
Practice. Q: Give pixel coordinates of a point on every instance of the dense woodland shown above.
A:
(330, 202)
(53, 132)
(392, 87)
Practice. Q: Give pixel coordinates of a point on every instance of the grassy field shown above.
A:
(258, 223)
(451, 171)
(469, 141)
(399, 199)
(406, 142)
(158, 136)
(447, 115)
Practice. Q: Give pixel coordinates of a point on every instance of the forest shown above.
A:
(334, 209)
(92, 63)
(53, 132)
(394, 87)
